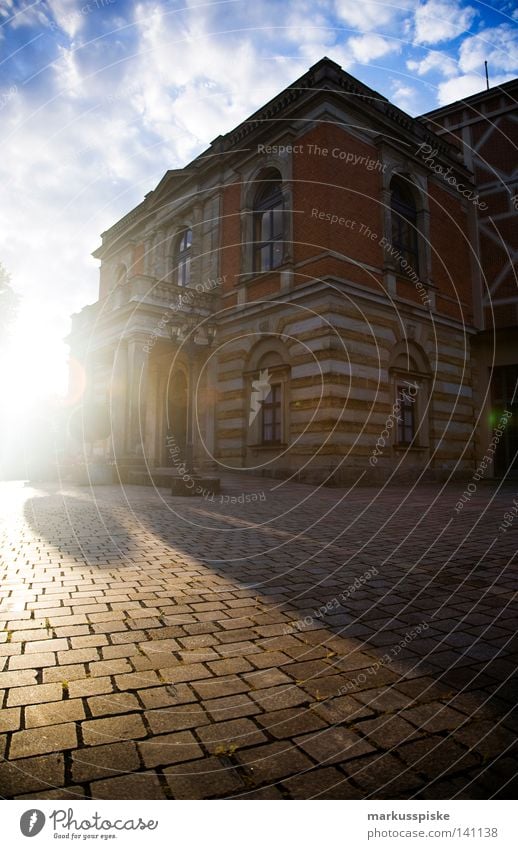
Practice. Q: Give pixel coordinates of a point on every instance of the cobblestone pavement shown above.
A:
(280, 642)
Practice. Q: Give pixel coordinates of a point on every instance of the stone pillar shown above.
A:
(137, 396)
(118, 399)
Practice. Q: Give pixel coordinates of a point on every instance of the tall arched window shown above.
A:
(183, 257)
(268, 224)
(404, 222)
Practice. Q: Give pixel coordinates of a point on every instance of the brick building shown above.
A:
(340, 272)
(485, 126)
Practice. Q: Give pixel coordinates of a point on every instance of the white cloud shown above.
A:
(434, 61)
(370, 14)
(442, 20)
(404, 96)
(460, 87)
(365, 48)
(499, 45)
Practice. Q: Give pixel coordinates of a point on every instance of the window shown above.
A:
(404, 222)
(183, 258)
(268, 225)
(406, 420)
(271, 426)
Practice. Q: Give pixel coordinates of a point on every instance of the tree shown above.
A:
(8, 302)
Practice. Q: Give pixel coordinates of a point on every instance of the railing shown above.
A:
(149, 292)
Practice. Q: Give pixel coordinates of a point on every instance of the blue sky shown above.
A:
(99, 97)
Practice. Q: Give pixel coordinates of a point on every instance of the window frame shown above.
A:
(404, 216)
(405, 407)
(183, 258)
(269, 201)
(275, 407)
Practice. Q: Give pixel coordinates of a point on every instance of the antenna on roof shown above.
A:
(487, 75)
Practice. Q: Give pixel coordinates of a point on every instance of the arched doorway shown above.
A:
(176, 419)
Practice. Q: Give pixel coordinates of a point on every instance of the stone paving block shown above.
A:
(49, 645)
(31, 774)
(186, 673)
(104, 761)
(221, 686)
(112, 704)
(89, 640)
(54, 713)
(230, 666)
(78, 656)
(321, 783)
(89, 687)
(138, 785)
(167, 749)
(203, 779)
(9, 719)
(17, 678)
(276, 698)
(433, 717)
(136, 680)
(35, 694)
(32, 661)
(169, 695)
(100, 731)
(36, 741)
(102, 668)
(176, 718)
(231, 707)
(71, 792)
(383, 776)
(273, 761)
(64, 673)
(223, 738)
(334, 745)
(290, 722)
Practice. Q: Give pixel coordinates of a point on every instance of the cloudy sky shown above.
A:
(99, 97)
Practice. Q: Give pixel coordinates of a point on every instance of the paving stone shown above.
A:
(170, 695)
(323, 783)
(9, 719)
(276, 698)
(104, 761)
(36, 741)
(138, 785)
(383, 776)
(203, 779)
(31, 774)
(99, 731)
(334, 745)
(273, 762)
(222, 738)
(89, 687)
(36, 694)
(176, 718)
(222, 686)
(71, 792)
(167, 749)
(290, 722)
(112, 704)
(231, 707)
(54, 713)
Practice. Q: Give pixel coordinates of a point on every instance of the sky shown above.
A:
(98, 98)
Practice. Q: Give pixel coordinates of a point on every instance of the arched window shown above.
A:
(404, 222)
(183, 257)
(268, 223)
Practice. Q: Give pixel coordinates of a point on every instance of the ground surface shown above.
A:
(158, 647)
